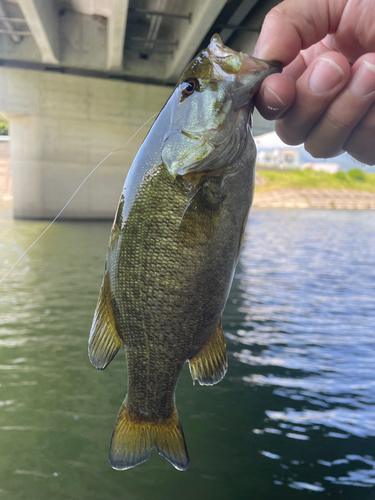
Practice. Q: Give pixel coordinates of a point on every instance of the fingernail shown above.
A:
(363, 82)
(323, 79)
(272, 100)
(258, 45)
(262, 47)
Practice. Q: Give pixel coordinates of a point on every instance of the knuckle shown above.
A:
(314, 150)
(363, 158)
(327, 138)
(274, 14)
(364, 155)
(336, 122)
(311, 148)
(318, 147)
(288, 133)
(367, 124)
(360, 144)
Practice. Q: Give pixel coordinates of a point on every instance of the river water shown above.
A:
(294, 416)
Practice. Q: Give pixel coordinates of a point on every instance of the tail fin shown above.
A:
(133, 439)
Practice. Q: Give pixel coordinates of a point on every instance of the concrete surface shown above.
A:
(61, 126)
(315, 198)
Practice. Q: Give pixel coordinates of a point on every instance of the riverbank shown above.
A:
(353, 190)
(315, 198)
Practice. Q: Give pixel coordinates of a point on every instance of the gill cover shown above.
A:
(208, 127)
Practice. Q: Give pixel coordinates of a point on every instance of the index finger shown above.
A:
(294, 25)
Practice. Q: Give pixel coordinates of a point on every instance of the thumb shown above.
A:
(294, 25)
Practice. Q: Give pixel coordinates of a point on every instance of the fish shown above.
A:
(173, 249)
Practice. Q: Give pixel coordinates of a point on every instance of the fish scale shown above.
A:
(150, 311)
(173, 250)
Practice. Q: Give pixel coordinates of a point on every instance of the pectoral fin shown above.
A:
(210, 364)
(200, 216)
(104, 340)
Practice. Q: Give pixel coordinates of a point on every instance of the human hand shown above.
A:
(325, 96)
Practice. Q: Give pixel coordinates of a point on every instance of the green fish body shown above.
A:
(173, 249)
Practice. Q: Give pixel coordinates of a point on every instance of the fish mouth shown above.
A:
(275, 64)
(250, 77)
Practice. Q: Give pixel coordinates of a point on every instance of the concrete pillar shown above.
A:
(61, 126)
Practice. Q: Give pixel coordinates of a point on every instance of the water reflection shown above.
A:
(295, 414)
(306, 289)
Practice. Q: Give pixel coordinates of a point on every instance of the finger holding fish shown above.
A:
(314, 95)
(332, 109)
(276, 96)
(279, 92)
(302, 34)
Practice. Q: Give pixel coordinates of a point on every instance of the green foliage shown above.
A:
(310, 179)
(357, 174)
(341, 176)
(4, 127)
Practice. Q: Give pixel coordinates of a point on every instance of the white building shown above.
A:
(330, 168)
(274, 152)
(280, 157)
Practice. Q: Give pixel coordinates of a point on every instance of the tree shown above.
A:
(4, 127)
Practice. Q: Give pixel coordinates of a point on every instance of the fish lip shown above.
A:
(276, 64)
(244, 94)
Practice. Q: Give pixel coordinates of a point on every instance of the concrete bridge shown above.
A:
(79, 77)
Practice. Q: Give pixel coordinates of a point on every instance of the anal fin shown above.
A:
(104, 340)
(134, 437)
(210, 364)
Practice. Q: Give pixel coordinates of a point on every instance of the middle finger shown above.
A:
(315, 89)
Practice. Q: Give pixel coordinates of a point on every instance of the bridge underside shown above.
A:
(79, 77)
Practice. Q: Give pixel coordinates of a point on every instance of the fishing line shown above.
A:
(73, 195)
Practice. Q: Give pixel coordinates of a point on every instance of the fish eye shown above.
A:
(192, 84)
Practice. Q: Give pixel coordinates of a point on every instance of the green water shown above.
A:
(293, 418)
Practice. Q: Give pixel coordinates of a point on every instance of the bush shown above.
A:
(341, 176)
(357, 174)
(4, 128)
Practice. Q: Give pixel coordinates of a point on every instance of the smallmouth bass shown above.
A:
(173, 249)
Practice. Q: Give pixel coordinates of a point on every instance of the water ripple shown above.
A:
(305, 331)
(295, 412)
